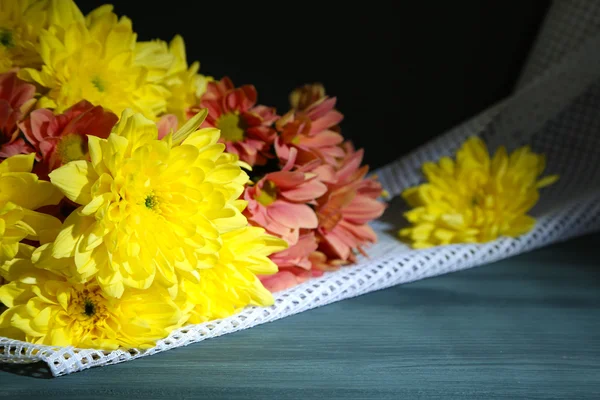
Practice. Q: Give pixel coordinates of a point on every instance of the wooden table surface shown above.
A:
(528, 327)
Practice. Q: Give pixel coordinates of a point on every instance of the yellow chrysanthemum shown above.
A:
(21, 22)
(168, 66)
(187, 86)
(152, 211)
(232, 284)
(21, 193)
(159, 60)
(475, 199)
(95, 61)
(45, 308)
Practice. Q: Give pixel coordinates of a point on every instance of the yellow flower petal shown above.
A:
(137, 129)
(547, 181)
(18, 163)
(75, 180)
(190, 126)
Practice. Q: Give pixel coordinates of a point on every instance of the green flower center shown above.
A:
(232, 127)
(268, 194)
(99, 84)
(89, 308)
(72, 147)
(151, 202)
(6, 38)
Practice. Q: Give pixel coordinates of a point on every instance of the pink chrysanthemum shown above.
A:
(297, 255)
(279, 202)
(246, 128)
(345, 211)
(16, 99)
(295, 264)
(313, 132)
(61, 138)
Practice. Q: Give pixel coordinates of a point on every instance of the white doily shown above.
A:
(556, 109)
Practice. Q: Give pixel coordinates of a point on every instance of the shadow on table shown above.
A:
(35, 370)
(394, 215)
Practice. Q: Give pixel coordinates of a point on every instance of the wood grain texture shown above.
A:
(528, 327)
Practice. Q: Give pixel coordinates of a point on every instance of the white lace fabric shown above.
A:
(555, 109)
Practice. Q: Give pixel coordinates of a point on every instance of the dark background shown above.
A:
(403, 72)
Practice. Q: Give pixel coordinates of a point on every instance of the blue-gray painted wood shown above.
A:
(528, 327)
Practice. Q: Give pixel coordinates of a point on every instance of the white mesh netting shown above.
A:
(555, 109)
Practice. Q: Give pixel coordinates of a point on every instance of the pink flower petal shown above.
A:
(305, 192)
(19, 146)
(241, 99)
(284, 279)
(346, 236)
(267, 114)
(214, 108)
(6, 119)
(363, 233)
(350, 166)
(337, 245)
(363, 209)
(320, 109)
(249, 98)
(323, 139)
(247, 147)
(47, 146)
(331, 119)
(298, 254)
(286, 180)
(289, 164)
(293, 216)
(282, 149)
(251, 119)
(325, 173)
(166, 124)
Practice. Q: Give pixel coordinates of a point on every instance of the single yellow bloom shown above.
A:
(167, 65)
(476, 198)
(152, 211)
(21, 193)
(21, 22)
(44, 308)
(161, 62)
(232, 284)
(94, 60)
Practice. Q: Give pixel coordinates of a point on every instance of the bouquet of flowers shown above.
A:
(138, 196)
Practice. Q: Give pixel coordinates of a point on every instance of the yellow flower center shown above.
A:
(232, 127)
(99, 84)
(6, 38)
(268, 194)
(71, 148)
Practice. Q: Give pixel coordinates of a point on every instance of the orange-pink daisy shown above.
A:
(61, 138)
(346, 209)
(16, 99)
(279, 202)
(295, 264)
(246, 128)
(313, 132)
